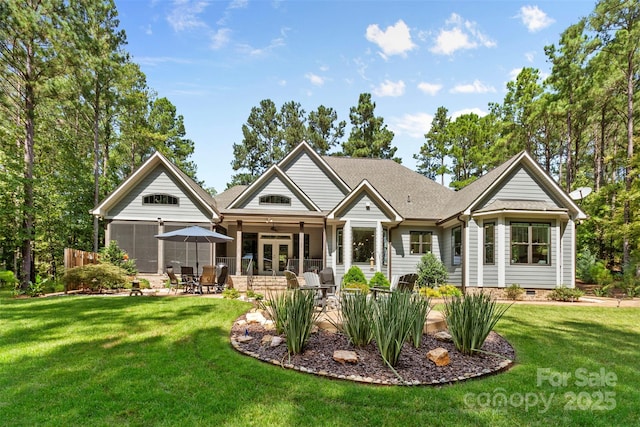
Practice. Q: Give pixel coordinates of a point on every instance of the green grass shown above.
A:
(167, 361)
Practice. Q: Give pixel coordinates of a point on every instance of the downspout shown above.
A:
(463, 264)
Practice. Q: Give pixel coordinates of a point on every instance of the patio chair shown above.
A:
(174, 282)
(292, 280)
(223, 274)
(208, 278)
(188, 278)
(407, 282)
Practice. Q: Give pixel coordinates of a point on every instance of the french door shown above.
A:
(274, 250)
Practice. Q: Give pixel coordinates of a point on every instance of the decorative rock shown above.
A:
(244, 338)
(443, 336)
(255, 318)
(276, 341)
(267, 339)
(439, 356)
(269, 325)
(345, 356)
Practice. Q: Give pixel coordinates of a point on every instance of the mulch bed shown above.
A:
(413, 367)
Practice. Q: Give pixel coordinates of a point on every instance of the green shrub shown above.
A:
(421, 306)
(231, 293)
(35, 289)
(112, 254)
(431, 271)
(363, 287)
(393, 320)
(514, 292)
(584, 261)
(252, 294)
(379, 280)
(355, 316)
(600, 274)
(354, 275)
(7, 278)
(95, 277)
(275, 307)
(565, 294)
(602, 291)
(470, 319)
(429, 292)
(449, 291)
(299, 316)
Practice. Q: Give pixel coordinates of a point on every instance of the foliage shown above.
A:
(95, 277)
(564, 293)
(431, 271)
(355, 318)
(421, 306)
(393, 320)
(440, 291)
(231, 293)
(471, 318)
(7, 278)
(600, 274)
(584, 262)
(299, 318)
(275, 306)
(379, 280)
(252, 294)
(113, 255)
(513, 292)
(35, 289)
(354, 275)
(362, 287)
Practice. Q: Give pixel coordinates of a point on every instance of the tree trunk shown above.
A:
(96, 165)
(27, 208)
(626, 249)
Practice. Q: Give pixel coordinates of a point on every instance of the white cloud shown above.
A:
(530, 56)
(315, 79)
(220, 38)
(534, 18)
(413, 125)
(395, 40)
(478, 111)
(429, 88)
(148, 30)
(255, 51)
(184, 15)
(157, 60)
(389, 88)
(476, 87)
(513, 74)
(238, 4)
(459, 34)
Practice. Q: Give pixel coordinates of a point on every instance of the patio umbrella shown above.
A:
(194, 234)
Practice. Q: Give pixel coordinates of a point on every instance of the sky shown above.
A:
(216, 60)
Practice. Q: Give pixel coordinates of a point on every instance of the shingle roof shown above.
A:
(229, 195)
(521, 205)
(413, 195)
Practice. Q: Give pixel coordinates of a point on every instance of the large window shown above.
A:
(489, 243)
(340, 245)
(159, 199)
(275, 199)
(420, 242)
(363, 244)
(530, 243)
(456, 245)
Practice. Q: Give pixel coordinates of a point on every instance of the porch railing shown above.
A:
(309, 264)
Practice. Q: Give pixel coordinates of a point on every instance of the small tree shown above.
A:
(431, 271)
(112, 254)
(354, 275)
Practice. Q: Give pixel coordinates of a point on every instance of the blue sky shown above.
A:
(215, 60)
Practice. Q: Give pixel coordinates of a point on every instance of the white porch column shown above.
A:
(301, 248)
(558, 248)
(379, 246)
(480, 257)
(347, 245)
(502, 242)
(160, 266)
(239, 248)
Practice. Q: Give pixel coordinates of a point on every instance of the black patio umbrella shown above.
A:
(194, 234)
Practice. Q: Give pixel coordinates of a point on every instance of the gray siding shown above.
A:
(471, 250)
(568, 261)
(521, 185)
(274, 186)
(402, 260)
(358, 209)
(314, 182)
(455, 271)
(533, 276)
(158, 181)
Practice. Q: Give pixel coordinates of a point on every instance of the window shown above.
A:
(159, 199)
(363, 244)
(339, 245)
(489, 243)
(456, 245)
(530, 243)
(420, 242)
(275, 199)
(296, 246)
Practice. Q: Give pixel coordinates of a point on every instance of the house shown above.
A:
(513, 225)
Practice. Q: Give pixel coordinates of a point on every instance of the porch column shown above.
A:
(480, 252)
(379, 246)
(502, 242)
(558, 245)
(239, 248)
(213, 251)
(324, 244)
(301, 248)
(160, 266)
(347, 245)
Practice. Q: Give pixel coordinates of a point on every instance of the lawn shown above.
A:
(79, 360)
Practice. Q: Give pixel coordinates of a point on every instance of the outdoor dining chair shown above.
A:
(407, 282)
(208, 278)
(188, 278)
(292, 280)
(222, 272)
(174, 282)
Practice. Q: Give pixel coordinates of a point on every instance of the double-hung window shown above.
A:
(420, 242)
(489, 242)
(456, 246)
(530, 243)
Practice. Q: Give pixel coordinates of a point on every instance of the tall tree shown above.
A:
(325, 131)
(433, 153)
(292, 124)
(369, 135)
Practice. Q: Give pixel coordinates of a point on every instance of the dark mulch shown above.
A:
(413, 366)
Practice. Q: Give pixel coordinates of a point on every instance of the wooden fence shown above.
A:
(78, 258)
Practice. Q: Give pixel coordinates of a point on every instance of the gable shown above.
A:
(363, 206)
(314, 180)
(520, 184)
(274, 185)
(158, 181)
